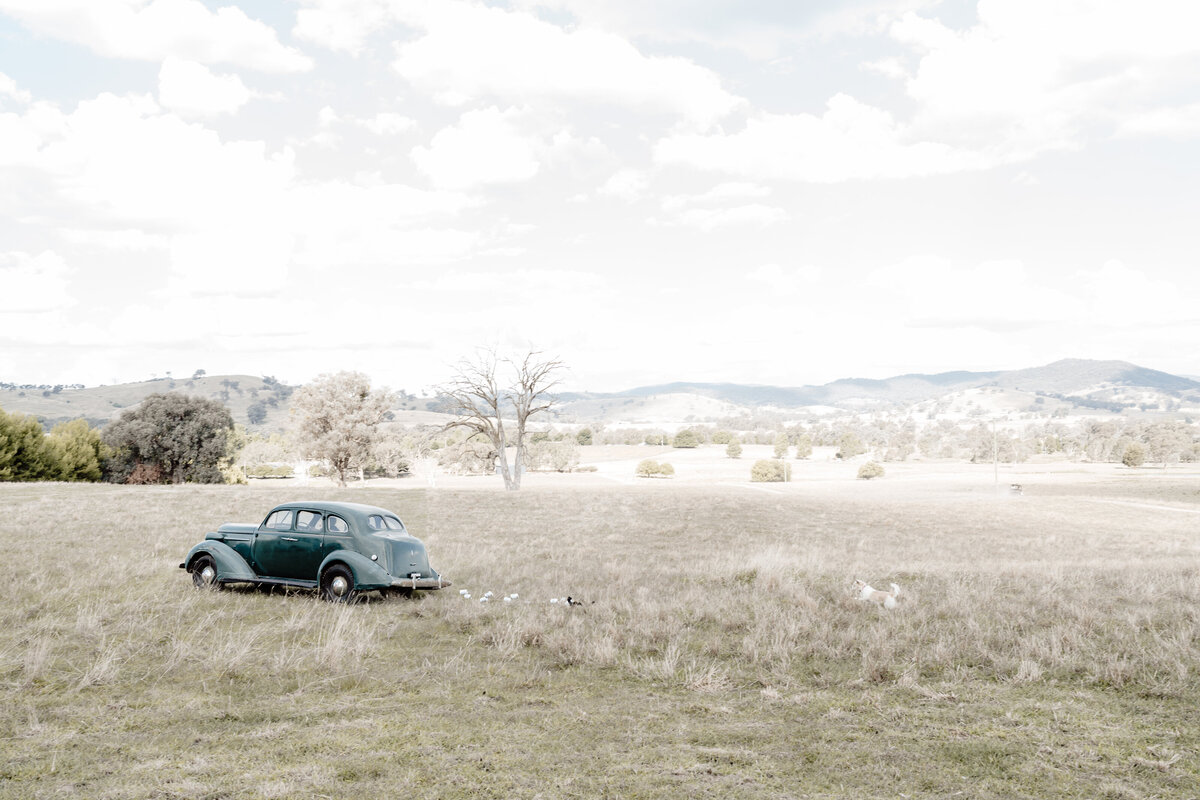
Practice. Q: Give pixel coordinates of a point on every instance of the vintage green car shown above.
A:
(340, 549)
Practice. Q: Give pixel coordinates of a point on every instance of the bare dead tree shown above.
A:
(530, 394)
(479, 401)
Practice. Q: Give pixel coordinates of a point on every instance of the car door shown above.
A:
(289, 545)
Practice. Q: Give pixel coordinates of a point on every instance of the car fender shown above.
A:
(230, 565)
(367, 573)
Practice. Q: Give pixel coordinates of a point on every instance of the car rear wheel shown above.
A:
(204, 573)
(337, 585)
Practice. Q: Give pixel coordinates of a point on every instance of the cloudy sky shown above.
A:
(759, 191)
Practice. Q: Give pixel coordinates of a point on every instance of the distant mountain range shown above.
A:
(1066, 377)
(262, 403)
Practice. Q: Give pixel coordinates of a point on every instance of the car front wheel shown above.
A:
(204, 573)
(337, 585)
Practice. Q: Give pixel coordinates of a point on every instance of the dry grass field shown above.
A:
(1045, 646)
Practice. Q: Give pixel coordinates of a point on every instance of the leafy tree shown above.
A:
(769, 470)
(657, 438)
(721, 437)
(804, 445)
(561, 456)
(686, 438)
(781, 445)
(256, 412)
(734, 449)
(584, 437)
(1135, 455)
(869, 470)
(850, 446)
(78, 450)
(652, 469)
(24, 453)
(339, 419)
(169, 438)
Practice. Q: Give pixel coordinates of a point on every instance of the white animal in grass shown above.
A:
(886, 599)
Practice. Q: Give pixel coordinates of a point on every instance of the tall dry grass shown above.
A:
(735, 598)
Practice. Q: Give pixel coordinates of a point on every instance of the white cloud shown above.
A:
(850, 141)
(786, 281)
(752, 215)
(484, 147)
(467, 52)
(722, 207)
(341, 25)
(127, 239)
(758, 30)
(1032, 76)
(627, 184)
(721, 193)
(8, 88)
(999, 296)
(124, 160)
(1127, 297)
(34, 284)
(192, 89)
(388, 123)
(155, 30)
(1179, 122)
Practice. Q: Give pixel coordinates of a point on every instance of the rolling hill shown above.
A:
(1110, 386)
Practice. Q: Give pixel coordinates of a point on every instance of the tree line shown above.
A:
(347, 426)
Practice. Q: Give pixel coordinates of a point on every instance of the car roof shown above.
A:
(356, 510)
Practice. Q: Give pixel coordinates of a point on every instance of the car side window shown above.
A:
(375, 522)
(279, 520)
(336, 524)
(309, 521)
(393, 524)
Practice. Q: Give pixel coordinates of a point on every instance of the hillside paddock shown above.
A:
(1046, 645)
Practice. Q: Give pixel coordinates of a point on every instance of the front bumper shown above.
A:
(420, 583)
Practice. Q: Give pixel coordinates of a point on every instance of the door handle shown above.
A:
(289, 538)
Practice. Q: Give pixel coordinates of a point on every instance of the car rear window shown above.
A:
(380, 523)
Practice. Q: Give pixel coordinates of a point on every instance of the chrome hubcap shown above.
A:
(208, 575)
(339, 586)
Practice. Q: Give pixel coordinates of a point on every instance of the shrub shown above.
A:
(734, 450)
(871, 469)
(584, 437)
(686, 438)
(804, 445)
(652, 469)
(1135, 455)
(768, 470)
(270, 471)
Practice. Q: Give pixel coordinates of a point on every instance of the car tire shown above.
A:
(204, 573)
(337, 584)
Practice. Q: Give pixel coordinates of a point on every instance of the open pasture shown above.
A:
(1044, 646)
